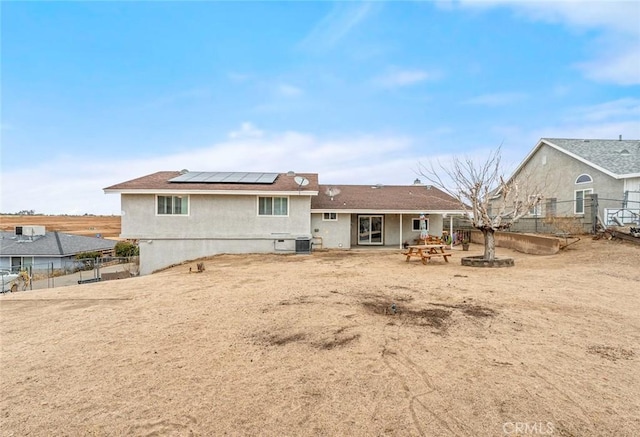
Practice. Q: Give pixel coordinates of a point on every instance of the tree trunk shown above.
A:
(489, 244)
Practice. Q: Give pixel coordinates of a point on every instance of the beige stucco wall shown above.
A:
(215, 224)
(557, 172)
(632, 185)
(342, 234)
(409, 235)
(212, 216)
(332, 234)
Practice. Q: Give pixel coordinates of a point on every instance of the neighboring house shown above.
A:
(32, 246)
(179, 216)
(583, 179)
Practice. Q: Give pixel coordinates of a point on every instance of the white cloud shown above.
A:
(74, 185)
(239, 77)
(627, 109)
(614, 65)
(615, 51)
(399, 78)
(496, 99)
(247, 130)
(287, 90)
(337, 24)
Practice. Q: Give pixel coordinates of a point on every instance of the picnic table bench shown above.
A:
(426, 251)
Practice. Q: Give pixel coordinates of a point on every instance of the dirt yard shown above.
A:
(88, 225)
(333, 343)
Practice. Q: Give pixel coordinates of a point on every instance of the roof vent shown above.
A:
(184, 171)
(377, 186)
(585, 141)
(291, 173)
(417, 182)
(624, 152)
(619, 137)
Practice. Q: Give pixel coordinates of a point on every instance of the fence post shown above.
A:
(594, 213)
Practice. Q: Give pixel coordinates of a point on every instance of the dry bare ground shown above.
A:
(87, 225)
(310, 345)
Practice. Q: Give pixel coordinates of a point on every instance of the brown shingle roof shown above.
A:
(160, 181)
(414, 198)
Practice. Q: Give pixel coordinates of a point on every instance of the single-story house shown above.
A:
(34, 247)
(345, 216)
(181, 215)
(584, 179)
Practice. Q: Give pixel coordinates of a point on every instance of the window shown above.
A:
(415, 224)
(584, 179)
(330, 216)
(551, 207)
(535, 210)
(173, 205)
(579, 200)
(273, 206)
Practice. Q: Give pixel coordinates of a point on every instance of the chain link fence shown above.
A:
(73, 272)
(565, 217)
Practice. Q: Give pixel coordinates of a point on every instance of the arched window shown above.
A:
(583, 179)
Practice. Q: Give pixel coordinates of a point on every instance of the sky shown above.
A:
(97, 93)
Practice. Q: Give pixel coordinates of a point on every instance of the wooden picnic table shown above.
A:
(426, 251)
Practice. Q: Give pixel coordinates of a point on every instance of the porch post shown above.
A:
(400, 230)
(451, 230)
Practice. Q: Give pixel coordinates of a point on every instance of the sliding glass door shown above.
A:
(370, 229)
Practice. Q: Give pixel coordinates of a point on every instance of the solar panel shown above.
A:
(220, 177)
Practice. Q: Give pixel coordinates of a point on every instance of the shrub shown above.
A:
(126, 249)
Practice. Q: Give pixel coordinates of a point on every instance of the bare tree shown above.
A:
(492, 202)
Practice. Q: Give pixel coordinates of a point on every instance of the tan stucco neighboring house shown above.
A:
(572, 172)
(179, 216)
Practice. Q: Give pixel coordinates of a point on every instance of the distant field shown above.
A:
(106, 226)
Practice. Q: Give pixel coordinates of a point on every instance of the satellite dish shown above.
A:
(331, 191)
(301, 181)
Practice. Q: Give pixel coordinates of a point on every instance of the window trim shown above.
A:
(272, 206)
(334, 219)
(584, 191)
(172, 214)
(535, 211)
(585, 175)
(415, 221)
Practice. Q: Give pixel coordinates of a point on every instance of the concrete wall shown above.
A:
(531, 244)
(160, 253)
